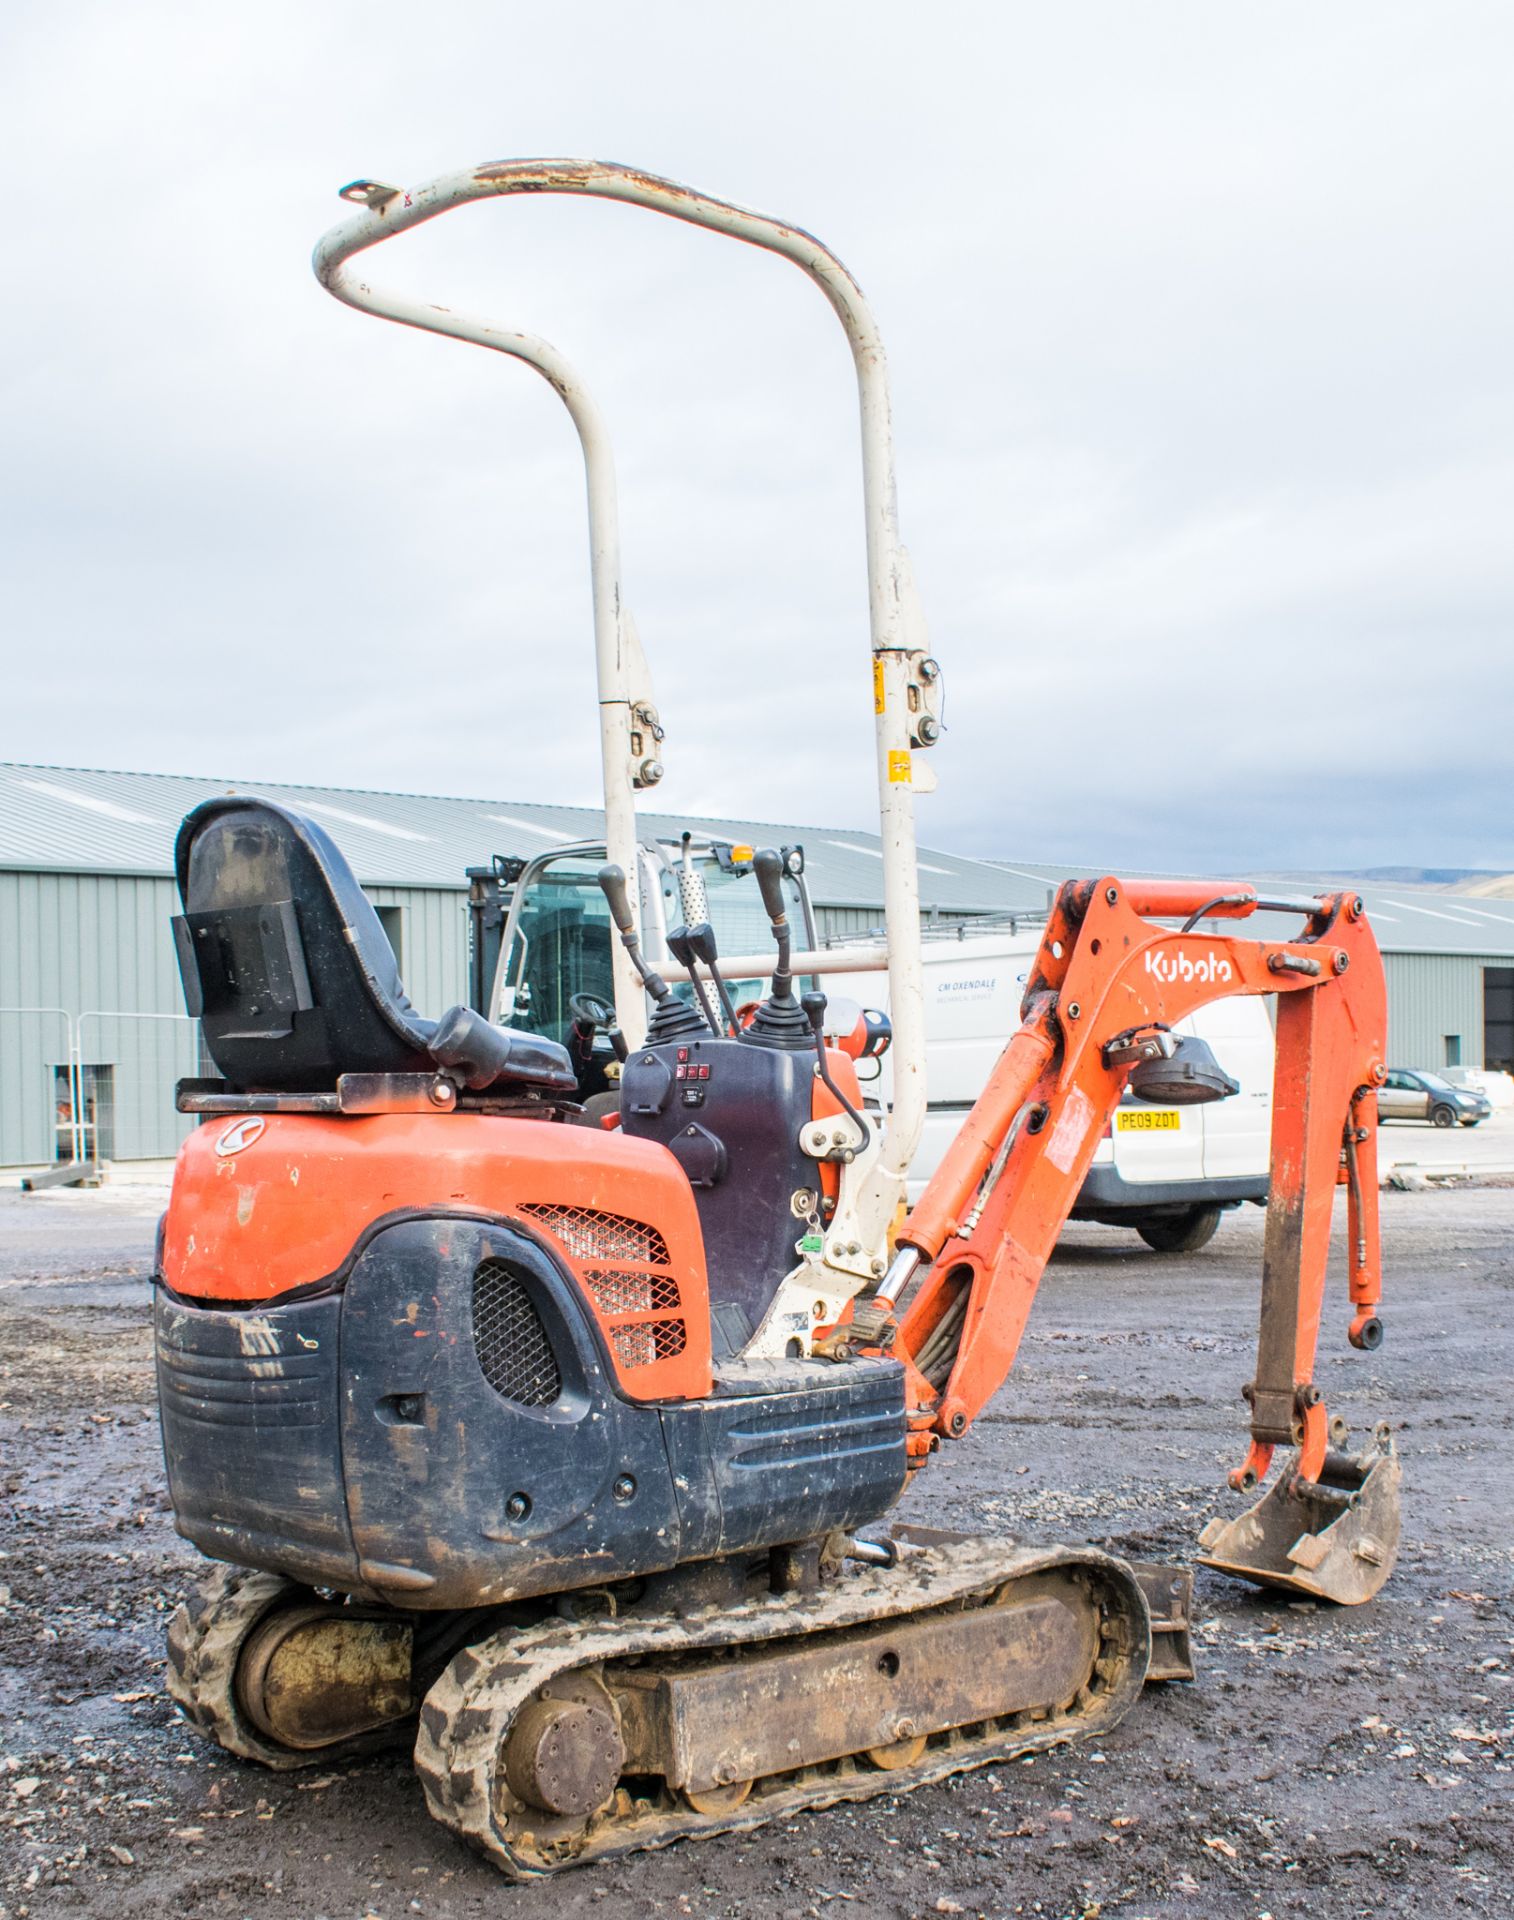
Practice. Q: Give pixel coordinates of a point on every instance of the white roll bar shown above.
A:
(743, 966)
(391, 210)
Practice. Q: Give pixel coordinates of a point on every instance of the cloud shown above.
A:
(1197, 321)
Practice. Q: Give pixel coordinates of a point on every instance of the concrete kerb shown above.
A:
(1408, 1176)
(133, 1175)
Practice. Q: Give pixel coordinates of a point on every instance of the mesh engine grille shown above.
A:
(511, 1342)
(640, 1346)
(615, 1292)
(588, 1235)
(618, 1291)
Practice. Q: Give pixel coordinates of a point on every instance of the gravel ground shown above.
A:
(1329, 1763)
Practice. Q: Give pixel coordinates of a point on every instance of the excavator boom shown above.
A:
(1107, 989)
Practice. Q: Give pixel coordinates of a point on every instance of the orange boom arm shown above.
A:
(1105, 987)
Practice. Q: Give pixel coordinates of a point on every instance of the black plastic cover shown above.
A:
(1189, 1077)
(752, 1101)
(761, 1469)
(248, 1402)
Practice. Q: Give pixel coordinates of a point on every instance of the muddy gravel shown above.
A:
(1329, 1763)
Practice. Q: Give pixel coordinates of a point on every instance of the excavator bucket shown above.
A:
(1336, 1539)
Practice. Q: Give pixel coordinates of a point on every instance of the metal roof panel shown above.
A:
(93, 820)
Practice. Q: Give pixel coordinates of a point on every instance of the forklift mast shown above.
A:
(490, 890)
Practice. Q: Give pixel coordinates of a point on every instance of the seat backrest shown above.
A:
(283, 959)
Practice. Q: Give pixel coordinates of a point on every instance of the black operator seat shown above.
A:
(292, 977)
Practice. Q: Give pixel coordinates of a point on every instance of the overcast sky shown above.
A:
(1199, 319)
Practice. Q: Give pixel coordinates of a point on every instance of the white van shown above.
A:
(1168, 1172)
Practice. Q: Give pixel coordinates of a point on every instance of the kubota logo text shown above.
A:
(1171, 967)
(240, 1134)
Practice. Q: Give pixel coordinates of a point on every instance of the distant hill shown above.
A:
(1486, 881)
(1462, 879)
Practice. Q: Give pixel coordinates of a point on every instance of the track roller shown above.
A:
(898, 1754)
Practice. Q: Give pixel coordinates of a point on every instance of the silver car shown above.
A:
(1425, 1096)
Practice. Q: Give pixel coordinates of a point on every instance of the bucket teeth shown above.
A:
(1335, 1539)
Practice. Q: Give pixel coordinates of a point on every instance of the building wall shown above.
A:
(834, 924)
(98, 949)
(92, 956)
(433, 943)
(1431, 995)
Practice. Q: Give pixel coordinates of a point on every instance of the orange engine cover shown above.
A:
(266, 1203)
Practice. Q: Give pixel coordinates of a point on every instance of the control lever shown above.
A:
(681, 946)
(612, 884)
(778, 1022)
(702, 941)
(672, 1018)
(768, 867)
(693, 898)
(592, 1014)
(814, 1011)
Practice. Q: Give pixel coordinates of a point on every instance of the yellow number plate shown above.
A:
(1148, 1120)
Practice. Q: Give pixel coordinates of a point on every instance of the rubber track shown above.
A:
(467, 1714)
(205, 1640)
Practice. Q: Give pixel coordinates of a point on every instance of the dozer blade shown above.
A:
(1335, 1539)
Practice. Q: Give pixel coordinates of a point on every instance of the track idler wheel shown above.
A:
(1334, 1539)
(272, 1674)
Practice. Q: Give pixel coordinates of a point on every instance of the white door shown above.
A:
(1238, 1131)
(973, 990)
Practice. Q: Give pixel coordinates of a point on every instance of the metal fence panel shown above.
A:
(129, 1064)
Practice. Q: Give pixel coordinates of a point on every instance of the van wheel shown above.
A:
(1180, 1232)
(1443, 1117)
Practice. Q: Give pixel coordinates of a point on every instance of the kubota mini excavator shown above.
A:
(564, 1449)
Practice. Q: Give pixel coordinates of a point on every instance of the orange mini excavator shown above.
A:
(565, 1450)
